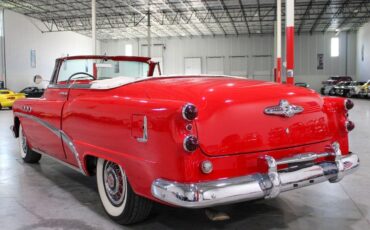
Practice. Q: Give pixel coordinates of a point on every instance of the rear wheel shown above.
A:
(119, 200)
(27, 154)
(349, 94)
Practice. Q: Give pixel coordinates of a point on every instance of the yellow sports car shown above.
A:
(8, 97)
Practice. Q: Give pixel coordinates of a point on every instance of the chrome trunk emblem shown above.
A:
(284, 109)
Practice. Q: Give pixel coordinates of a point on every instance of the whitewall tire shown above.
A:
(27, 154)
(118, 199)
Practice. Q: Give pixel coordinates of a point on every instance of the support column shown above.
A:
(289, 34)
(93, 25)
(278, 41)
(149, 34)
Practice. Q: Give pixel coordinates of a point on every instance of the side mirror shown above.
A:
(37, 79)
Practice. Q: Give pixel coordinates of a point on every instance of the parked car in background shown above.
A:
(341, 88)
(353, 89)
(302, 84)
(32, 92)
(8, 97)
(365, 90)
(328, 89)
(186, 141)
(336, 79)
(328, 85)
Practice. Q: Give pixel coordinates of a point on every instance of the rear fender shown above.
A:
(337, 117)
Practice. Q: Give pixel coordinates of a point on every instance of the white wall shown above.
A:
(21, 36)
(307, 48)
(363, 42)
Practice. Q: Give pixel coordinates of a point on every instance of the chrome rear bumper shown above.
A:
(257, 186)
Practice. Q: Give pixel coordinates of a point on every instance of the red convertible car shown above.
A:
(187, 141)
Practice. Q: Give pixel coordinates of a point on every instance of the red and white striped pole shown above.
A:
(278, 41)
(289, 34)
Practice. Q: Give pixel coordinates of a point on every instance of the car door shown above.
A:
(50, 114)
(44, 126)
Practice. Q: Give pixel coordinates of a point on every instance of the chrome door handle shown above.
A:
(63, 93)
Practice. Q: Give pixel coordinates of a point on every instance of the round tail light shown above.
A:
(350, 125)
(348, 104)
(189, 112)
(190, 143)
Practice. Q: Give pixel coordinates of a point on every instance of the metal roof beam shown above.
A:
(187, 6)
(306, 13)
(353, 14)
(259, 15)
(228, 14)
(244, 16)
(319, 16)
(207, 8)
(182, 16)
(339, 11)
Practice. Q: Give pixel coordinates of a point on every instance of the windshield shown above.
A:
(100, 69)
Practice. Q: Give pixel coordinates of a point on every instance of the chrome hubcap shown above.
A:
(114, 183)
(24, 143)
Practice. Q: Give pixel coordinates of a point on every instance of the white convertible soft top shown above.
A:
(114, 82)
(120, 81)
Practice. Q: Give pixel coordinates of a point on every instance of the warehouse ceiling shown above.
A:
(119, 19)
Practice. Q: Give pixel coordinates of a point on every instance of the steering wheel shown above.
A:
(87, 74)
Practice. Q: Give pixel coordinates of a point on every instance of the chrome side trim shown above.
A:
(41, 122)
(72, 148)
(60, 133)
(56, 159)
(256, 186)
(145, 131)
(69, 86)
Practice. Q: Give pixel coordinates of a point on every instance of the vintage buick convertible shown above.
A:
(187, 141)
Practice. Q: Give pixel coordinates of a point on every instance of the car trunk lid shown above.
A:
(232, 119)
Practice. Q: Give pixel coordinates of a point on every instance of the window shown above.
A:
(334, 45)
(128, 49)
(101, 69)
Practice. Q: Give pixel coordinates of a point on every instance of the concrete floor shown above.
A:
(51, 196)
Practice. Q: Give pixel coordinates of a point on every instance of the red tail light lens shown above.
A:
(349, 125)
(348, 104)
(190, 143)
(189, 112)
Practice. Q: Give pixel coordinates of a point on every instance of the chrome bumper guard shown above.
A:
(302, 171)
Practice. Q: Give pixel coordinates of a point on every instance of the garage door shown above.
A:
(215, 65)
(238, 66)
(193, 65)
(262, 66)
